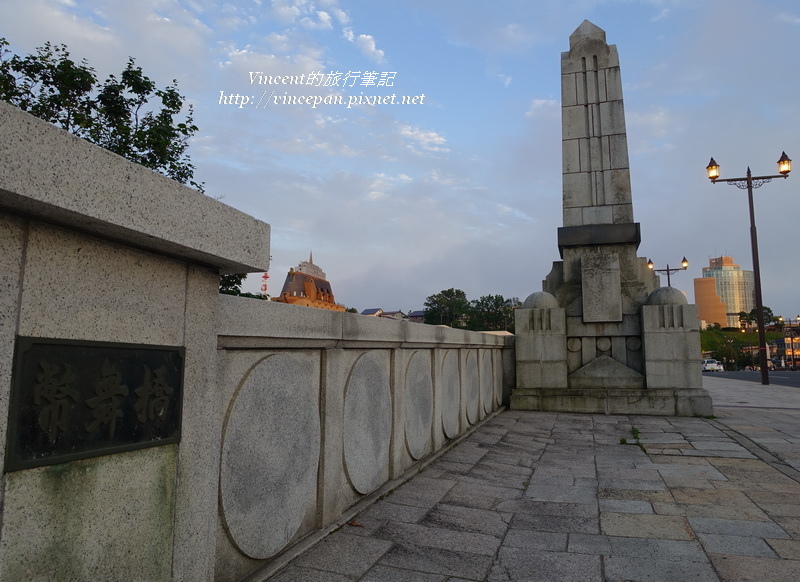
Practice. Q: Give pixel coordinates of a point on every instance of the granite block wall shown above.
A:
(329, 423)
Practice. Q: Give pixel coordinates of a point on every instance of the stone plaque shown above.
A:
(77, 399)
(601, 287)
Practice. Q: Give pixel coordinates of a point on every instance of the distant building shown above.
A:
(788, 350)
(393, 314)
(378, 312)
(308, 285)
(724, 291)
(417, 316)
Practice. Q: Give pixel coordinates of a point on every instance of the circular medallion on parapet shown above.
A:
(498, 384)
(574, 344)
(270, 453)
(540, 300)
(471, 386)
(487, 385)
(603, 344)
(633, 343)
(451, 393)
(419, 404)
(368, 422)
(667, 296)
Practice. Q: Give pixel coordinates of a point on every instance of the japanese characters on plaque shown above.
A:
(77, 399)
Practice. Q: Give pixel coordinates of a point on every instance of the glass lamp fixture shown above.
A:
(784, 164)
(712, 169)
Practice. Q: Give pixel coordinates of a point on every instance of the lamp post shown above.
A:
(668, 271)
(749, 182)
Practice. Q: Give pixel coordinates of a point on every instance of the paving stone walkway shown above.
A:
(534, 496)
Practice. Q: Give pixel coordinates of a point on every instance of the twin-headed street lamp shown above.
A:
(668, 271)
(749, 182)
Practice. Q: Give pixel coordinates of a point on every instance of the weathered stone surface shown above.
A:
(540, 566)
(470, 380)
(418, 404)
(12, 241)
(601, 288)
(368, 422)
(606, 372)
(72, 506)
(54, 178)
(450, 563)
(660, 570)
(580, 454)
(614, 341)
(270, 454)
(154, 284)
(487, 382)
(646, 526)
(451, 393)
(344, 554)
(754, 569)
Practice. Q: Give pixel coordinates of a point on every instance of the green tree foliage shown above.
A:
(749, 319)
(769, 316)
(488, 313)
(127, 115)
(231, 284)
(746, 319)
(117, 114)
(493, 312)
(448, 307)
(734, 348)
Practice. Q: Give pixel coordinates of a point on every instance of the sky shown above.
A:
(460, 186)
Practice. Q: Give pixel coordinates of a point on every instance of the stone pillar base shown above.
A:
(660, 402)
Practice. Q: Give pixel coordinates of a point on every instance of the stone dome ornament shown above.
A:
(667, 296)
(540, 300)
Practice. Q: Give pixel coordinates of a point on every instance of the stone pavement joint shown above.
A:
(762, 453)
(531, 496)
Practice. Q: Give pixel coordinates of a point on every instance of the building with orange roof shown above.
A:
(308, 285)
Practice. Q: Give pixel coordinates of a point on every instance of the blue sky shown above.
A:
(398, 202)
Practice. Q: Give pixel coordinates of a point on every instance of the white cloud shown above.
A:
(341, 16)
(279, 42)
(653, 130)
(513, 212)
(665, 12)
(308, 13)
(790, 18)
(546, 107)
(368, 48)
(322, 22)
(288, 11)
(428, 140)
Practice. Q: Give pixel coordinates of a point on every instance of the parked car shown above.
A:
(712, 366)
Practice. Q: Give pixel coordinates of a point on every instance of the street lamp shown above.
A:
(749, 182)
(668, 271)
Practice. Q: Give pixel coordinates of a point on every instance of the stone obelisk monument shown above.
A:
(602, 337)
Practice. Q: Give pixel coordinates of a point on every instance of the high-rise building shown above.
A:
(724, 291)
